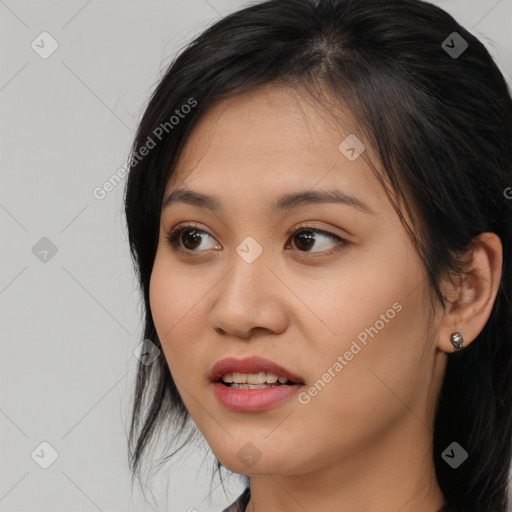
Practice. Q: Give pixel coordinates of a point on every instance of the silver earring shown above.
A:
(457, 340)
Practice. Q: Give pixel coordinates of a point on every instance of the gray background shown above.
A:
(70, 323)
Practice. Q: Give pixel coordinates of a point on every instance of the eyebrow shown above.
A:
(285, 202)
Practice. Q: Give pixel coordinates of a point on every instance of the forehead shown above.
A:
(269, 139)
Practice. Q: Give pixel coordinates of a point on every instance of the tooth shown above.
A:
(256, 378)
(253, 378)
(240, 378)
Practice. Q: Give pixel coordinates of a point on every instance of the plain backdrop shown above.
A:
(69, 311)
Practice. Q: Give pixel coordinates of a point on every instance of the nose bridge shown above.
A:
(247, 295)
(247, 280)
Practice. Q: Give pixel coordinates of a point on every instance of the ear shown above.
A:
(472, 299)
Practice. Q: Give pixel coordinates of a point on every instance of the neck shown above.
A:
(395, 473)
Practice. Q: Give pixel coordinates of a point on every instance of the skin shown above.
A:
(364, 442)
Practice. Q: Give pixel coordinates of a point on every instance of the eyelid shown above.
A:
(304, 226)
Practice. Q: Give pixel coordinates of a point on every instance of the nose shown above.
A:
(249, 297)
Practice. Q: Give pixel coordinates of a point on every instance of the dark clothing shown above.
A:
(241, 503)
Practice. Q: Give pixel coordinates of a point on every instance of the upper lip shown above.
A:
(251, 364)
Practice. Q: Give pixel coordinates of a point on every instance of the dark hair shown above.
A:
(441, 125)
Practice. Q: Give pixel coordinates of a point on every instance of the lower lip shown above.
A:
(253, 400)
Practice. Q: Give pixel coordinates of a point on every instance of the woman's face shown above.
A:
(347, 315)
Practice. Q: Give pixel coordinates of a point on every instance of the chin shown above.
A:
(251, 458)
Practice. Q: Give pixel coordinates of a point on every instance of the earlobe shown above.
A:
(466, 316)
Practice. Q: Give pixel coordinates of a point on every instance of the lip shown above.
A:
(251, 364)
(252, 400)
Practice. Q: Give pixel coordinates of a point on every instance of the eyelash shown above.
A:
(174, 237)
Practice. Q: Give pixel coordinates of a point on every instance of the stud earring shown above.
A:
(457, 340)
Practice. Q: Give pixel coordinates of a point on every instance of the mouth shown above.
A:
(252, 373)
(253, 384)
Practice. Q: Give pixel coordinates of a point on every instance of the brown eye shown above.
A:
(187, 238)
(190, 238)
(305, 238)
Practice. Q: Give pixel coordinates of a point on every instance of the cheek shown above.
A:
(175, 302)
(176, 294)
(163, 311)
(375, 321)
(365, 300)
(386, 377)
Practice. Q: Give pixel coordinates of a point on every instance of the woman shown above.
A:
(319, 213)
